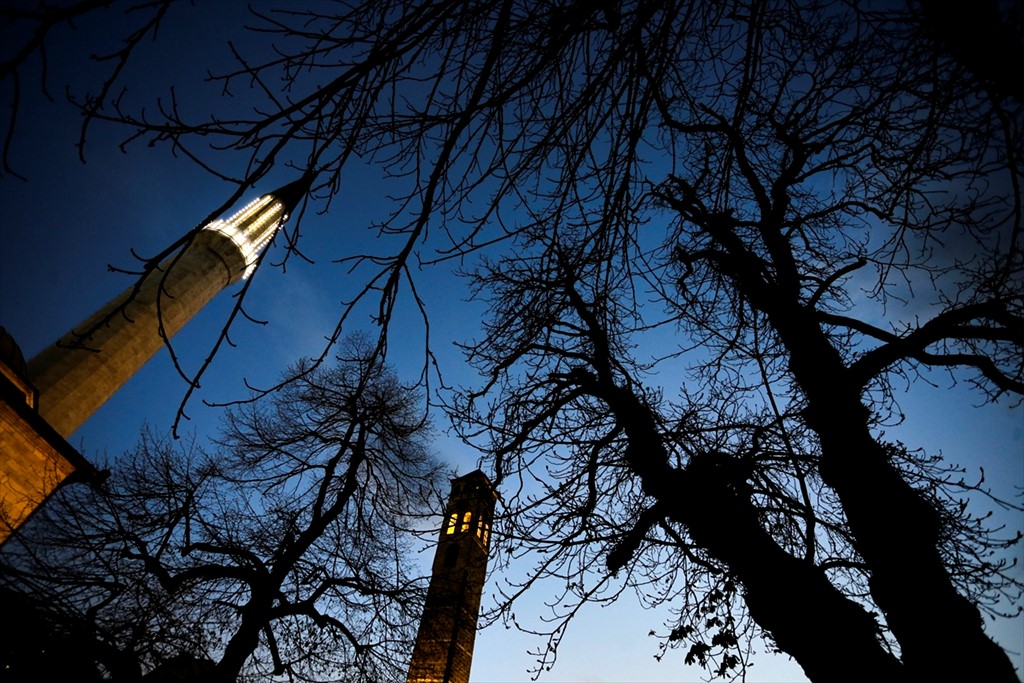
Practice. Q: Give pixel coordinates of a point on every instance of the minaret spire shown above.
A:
(79, 373)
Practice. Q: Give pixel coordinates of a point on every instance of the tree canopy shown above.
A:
(714, 240)
(283, 551)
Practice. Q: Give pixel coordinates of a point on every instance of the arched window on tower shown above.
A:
(483, 532)
(460, 520)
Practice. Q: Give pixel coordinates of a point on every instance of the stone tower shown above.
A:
(43, 403)
(444, 644)
(77, 375)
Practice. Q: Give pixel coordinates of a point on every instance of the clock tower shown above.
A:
(444, 645)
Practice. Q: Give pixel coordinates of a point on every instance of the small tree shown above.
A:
(280, 552)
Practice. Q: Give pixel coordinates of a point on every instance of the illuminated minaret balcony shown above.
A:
(252, 228)
(85, 367)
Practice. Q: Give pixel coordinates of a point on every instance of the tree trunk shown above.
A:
(895, 529)
(790, 598)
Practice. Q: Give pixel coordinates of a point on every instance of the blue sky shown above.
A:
(68, 221)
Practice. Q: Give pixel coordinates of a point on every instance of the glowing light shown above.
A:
(252, 227)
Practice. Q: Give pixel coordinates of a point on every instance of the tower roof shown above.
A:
(474, 481)
(292, 193)
(475, 475)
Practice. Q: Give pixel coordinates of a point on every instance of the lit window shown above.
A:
(486, 531)
(452, 519)
(466, 519)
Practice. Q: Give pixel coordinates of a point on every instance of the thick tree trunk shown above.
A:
(895, 529)
(829, 635)
(242, 644)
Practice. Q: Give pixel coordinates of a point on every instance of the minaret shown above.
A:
(43, 403)
(77, 375)
(444, 645)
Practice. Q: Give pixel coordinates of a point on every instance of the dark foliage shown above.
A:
(281, 552)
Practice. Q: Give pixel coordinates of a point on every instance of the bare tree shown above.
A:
(817, 161)
(767, 184)
(30, 31)
(280, 553)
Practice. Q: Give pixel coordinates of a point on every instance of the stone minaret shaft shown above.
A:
(444, 645)
(79, 373)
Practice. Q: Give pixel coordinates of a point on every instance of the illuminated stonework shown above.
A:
(35, 459)
(84, 368)
(444, 644)
(67, 382)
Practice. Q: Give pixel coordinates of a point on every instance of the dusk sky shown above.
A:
(66, 221)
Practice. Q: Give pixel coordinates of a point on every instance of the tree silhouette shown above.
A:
(812, 202)
(283, 552)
